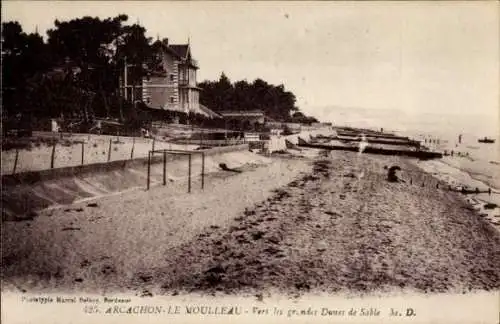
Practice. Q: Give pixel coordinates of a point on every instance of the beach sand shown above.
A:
(456, 176)
(333, 224)
(344, 229)
(83, 248)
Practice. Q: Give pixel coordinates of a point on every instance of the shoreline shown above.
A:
(487, 180)
(483, 174)
(331, 224)
(454, 177)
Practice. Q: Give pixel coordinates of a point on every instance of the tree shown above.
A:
(135, 47)
(91, 44)
(224, 93)
(218, 95)
(44, 72)
(23, 56)
(274, 101)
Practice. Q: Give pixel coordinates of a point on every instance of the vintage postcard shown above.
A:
(242, 162)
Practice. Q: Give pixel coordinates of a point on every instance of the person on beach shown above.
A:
(391, 174)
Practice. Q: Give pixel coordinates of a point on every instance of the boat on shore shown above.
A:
(486, 140)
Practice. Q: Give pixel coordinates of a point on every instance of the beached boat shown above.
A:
(486, 140)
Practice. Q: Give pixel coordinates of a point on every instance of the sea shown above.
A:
(473, 163)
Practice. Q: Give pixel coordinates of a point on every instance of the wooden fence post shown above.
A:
(83, 151)
(189, 174)
(149, 168)
(164, 168)
(15, 161)
(202, 170)
(52, 158)
(153, 146)
(109, 151)
(132, 152)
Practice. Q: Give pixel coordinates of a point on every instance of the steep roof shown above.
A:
(181, 50)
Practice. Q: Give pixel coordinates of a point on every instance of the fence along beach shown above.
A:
(306, 221)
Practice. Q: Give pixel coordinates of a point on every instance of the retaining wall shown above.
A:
(26, 192)
(50, 174)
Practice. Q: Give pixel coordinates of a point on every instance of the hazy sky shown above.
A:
(396, 55)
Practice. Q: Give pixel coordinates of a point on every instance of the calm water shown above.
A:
(429, 125)
(446, 128)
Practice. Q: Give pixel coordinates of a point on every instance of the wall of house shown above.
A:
(178, 90)
(188, 97)
(183, 100)
(192, 77)
(171, 67)
(187, 74)
(166, 96)
(182, 74)
(158, 97)
(194, 100)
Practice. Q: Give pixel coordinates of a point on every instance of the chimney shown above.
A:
(165, 41)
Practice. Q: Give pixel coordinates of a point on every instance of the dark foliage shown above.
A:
(274, 101)
(75, 73)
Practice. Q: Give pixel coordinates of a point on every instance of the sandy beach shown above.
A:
(329, 224)
(87, 248)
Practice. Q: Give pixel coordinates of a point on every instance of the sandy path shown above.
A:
(334, 231)
(105, 247)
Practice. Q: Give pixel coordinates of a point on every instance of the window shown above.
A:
(172, 99)
(171, 77)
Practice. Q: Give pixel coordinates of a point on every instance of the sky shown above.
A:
(409, 57)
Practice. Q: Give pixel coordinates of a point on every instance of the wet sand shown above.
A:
(333, 224)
